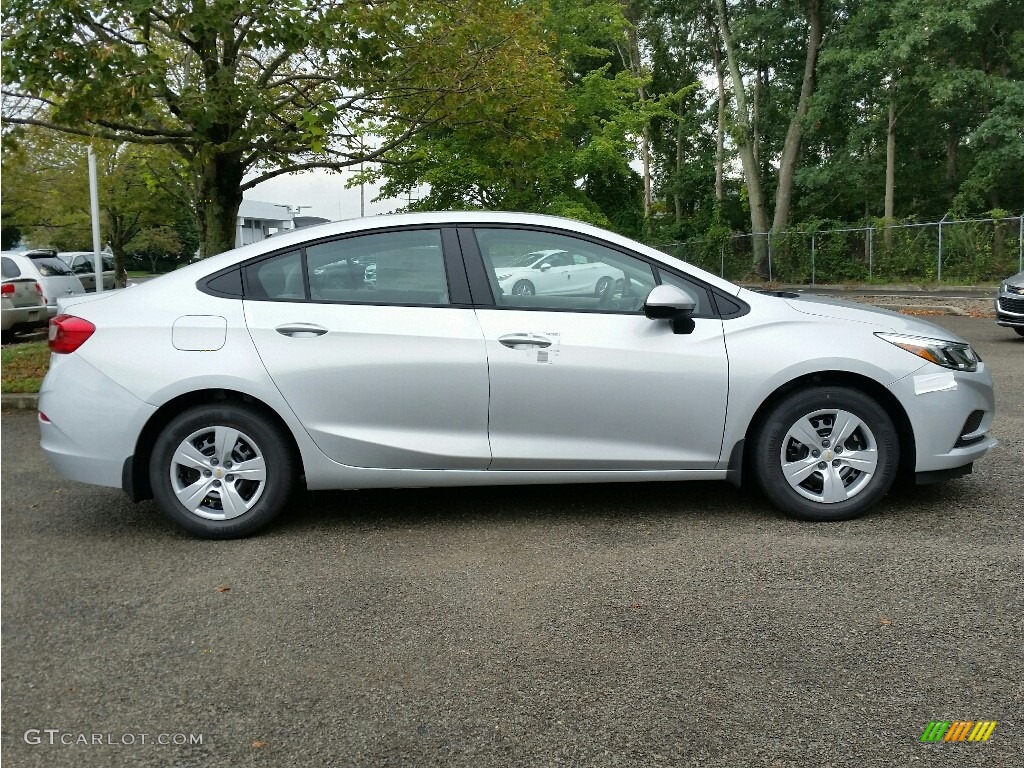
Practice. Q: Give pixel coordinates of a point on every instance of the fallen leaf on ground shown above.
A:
(223, 588)
(260, 744)
(885, 621)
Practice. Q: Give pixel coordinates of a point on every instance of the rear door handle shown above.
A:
(301, 330)
(524, 341)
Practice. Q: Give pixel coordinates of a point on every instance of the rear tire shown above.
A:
(222, 471)
(523, 288)
(806, 473)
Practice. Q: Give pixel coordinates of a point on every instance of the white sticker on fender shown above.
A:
(934, 382)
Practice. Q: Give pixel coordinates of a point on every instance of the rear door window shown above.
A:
(10, 269)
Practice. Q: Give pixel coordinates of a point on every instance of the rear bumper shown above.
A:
(89, 431)
(24, 318)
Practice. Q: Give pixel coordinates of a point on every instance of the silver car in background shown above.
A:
(83, 264)
(52, 274)
(1010, 303)
(21, 302)
(255, 372)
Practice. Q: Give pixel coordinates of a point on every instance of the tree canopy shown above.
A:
(245, 90)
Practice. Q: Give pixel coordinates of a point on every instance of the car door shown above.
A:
(85, 271)
(390, 373)
(588, 382)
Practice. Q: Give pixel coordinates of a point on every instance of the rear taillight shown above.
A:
(68, 333)
(39, 289)
(8, 289)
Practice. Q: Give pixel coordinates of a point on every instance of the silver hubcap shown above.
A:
(218, 473)
(829, 456)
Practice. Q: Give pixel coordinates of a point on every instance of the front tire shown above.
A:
(827, 453)
(1019, 330)
(222, 471)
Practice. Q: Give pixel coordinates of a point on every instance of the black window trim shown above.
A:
(483, 296)
(459, 294)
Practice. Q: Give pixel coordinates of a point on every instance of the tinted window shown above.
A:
(51, 266)
(542, 270)
(279, 277)
(10, 269)
(383, 268)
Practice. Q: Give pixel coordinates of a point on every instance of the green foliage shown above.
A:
(248, 91)
(142, 190)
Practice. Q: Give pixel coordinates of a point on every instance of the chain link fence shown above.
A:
(962, 252)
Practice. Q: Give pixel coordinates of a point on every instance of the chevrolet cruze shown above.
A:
(223, 387)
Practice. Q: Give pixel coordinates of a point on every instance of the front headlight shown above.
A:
(948, 354)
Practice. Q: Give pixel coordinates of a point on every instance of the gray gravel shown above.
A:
(666, 624)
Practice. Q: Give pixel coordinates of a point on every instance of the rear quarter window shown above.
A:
(9, 268)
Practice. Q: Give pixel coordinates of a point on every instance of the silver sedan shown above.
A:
(254, 372)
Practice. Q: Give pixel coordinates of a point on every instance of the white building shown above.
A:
(258, 221)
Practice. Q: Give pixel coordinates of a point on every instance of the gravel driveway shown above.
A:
(625, 625)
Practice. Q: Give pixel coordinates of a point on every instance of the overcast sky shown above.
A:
(323, 192)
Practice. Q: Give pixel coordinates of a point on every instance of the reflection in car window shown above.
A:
(543, 270)
(404, 267)
(277, 278)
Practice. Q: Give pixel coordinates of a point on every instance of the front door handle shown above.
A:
(524, 341)
(301, 330)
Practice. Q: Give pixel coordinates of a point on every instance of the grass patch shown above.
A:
(23, 366)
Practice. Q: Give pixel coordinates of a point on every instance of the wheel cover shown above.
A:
(523, 289)
(218, 473)
(846, 460)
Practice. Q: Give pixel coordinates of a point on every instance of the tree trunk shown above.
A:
(746, 148)
(218, 200)
(791, 149)
(890, 172)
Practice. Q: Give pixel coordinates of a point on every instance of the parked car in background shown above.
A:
(83, 264)
(22, 307)
(53, 275)
(1010, 303)
(556, 272)
(257, 370)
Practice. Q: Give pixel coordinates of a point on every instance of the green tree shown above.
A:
(46, 192)
(245, 90)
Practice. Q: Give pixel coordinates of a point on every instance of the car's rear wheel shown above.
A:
(827, 453)
(604, 287)
(523, 288)
(222, 471)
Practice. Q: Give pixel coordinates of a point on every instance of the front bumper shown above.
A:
(1010, 310)
(951, 413)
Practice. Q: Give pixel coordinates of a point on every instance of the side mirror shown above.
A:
(666, 302)
(545, 267)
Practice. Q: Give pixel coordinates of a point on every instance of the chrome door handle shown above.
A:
(301, 330)
(522, 340)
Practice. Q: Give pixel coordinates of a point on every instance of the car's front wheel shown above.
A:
(826, 453)
(222, 471)
(1019, 330)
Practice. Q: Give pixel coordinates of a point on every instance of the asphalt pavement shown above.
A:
(624, 625)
